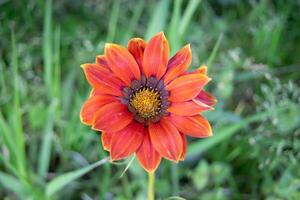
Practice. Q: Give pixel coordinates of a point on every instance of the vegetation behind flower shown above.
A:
(251, 50)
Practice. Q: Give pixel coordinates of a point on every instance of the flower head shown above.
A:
(145, 103)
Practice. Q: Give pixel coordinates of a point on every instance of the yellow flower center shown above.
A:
(146, 102)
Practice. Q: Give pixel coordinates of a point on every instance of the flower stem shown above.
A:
(151, 179)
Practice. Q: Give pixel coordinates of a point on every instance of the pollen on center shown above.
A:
(146, 102)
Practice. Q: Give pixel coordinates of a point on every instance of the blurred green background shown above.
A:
(252, 49)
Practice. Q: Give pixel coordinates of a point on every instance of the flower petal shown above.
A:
(106, 140)
(126, 141)
(122, 63)
(188, 108)
(186, 86)
(195, 126)
(156, 56)
(184, 142)
(206, 98)
(92, 105)
(112, 117)
(148, 157)
(101, 60)
(202, 69)
(178, 64)
(100, 78)
(136, 47)
(166, 139)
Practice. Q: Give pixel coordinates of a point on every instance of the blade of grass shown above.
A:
(174, 38)
(138, 9)
(213, 54)
(11, 183)
(187, 16)
(47, 47)
(17, 116)
(158, 19)
(112, 25)
(223, 133)
(61, 181)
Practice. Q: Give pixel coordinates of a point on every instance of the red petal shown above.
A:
(156, 56)
(92, 105)
(100, 60)
(122, 63)
(186, 86)
(148, 157)
(100, 78)
(195, 126)
(206, 98)
(112, 117)
(106, 140)
(126, 141)
(184, 142)
(188, 108)
(166, 139)
(202, 69)
(178, 64)
(136, 47)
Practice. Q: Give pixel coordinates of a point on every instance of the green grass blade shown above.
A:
(187, 16)
(159, 18)
(112, 25)
(45, 152)
(175, 40)
(61, 181)
(223, 133)
(47, 46)
(17, 116)
(11, 183)
(213, 54)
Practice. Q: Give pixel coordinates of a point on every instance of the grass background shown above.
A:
(252, 50)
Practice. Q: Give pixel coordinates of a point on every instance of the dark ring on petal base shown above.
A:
(147, 99)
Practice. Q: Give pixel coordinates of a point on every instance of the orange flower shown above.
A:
(145, 103)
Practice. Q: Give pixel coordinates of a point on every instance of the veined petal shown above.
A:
(126, 141)
(112, 117)
(106, 140)
(156, 56)
(206, 98)
(136, 47)
(100, 78)
(202, 69)
(122, 63)
(188, 108)
(92, 105)
(186, 87)
(148, 157)
(195, 126)
(100, 60)
(178, 64)
(166, 139)
(184, 142)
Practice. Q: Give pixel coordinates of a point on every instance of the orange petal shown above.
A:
(100, 60)
(100, 78)
(126, 141)
(178, 64)
(136, 47)
(195, 126)
(184, 142)
(96, 92)
(156, 56)
(188, 108)
(92, 105)
(206, 98)
(106, 140)
(186, 86)
(122, 63)
(166, 139)
(148, 157)
(112, 117)
(202, 69)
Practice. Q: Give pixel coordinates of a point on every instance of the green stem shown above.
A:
(151, 180)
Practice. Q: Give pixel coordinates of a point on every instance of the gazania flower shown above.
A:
(145, 103)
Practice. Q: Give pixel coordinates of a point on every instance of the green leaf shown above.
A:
(187, 16)
(213, 54)
(159, 18)
(61, 181)
(112, 25)
(175, 198)
(11, 183)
